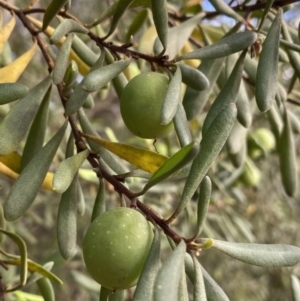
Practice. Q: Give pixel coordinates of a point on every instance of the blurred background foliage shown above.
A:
(252, 208)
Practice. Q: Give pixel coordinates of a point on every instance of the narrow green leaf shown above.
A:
(67, 221)
(294, 57)
(120, 81)
(224, 47)
(2, 224)
(136, 24)
(12, 91)
(183, 294)
(165, 286)
(46, 289)
(97, 79)
(70, 78)
(275, 121)
(99, 204)
(107, 157)
(172, 99)
(194, 101)
(139, 157)
(287, 158)
(178, 35)
(227, 95)
(66, 170)
(16, 123)
(52, 10)
(86, 54)
(79, 96)
(22, 195)
(295, 288)
(199, 287)
(244, 114)
(36, 135)
(160, 18)
(193, 77)
(144, 289)
(236, 144)
(174, 163)
(23, 254)
(181, 126)
(266, 78)
(267, 255)
(66, 26)
(62, 59)
(105, 293)
(268, 5)
(210, 146)
(213, 291)
(223, 8)
(120, 9)
(203, 204)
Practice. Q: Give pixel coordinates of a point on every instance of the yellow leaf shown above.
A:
(82, 67)
(142, 158)
(12, 72)
(6, 31)
(10, 166)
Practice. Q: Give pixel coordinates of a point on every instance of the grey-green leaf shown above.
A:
(294, 57)
(267, 255)
(193, 77)
(287, 158)
(36, 135)
(210, 146)
(178, 35)
(66, 26)
(22, 195)
(66, 171)
(172, 99)
(137, 23)
(165, 286)
(268, 5)
(224, 47)
(266, 77)
(295, 288)
(176, 162)
(194, 101)
(62, 59)
(79, 96)
(51, 11)
(244, 115)
(12, 91)
(145, 285)
(227, 95)
(120, 9)
(213, 291)
(96, 80)
(46, 289)
(160, 18)
(16, 123)
(181, 126)
(223, 8)
(199, 287)
(203, 204)
(67, 221)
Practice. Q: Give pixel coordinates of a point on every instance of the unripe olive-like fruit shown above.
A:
(141, 105)
(116, 246)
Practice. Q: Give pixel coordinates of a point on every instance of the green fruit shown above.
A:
(116, 246)
(141, 105)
